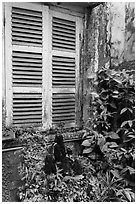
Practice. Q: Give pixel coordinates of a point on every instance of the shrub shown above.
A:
(110, 133)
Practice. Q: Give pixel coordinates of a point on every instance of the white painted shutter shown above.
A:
(25, 23)
(65, 67)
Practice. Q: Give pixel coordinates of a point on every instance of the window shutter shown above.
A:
(25, 22)
(65, 67)
(42, 69)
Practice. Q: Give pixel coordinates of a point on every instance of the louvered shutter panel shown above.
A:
(26, 25)
(64, 69)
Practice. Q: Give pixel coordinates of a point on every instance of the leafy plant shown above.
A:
(110, 132)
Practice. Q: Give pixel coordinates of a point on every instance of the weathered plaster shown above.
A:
(129, 46)
(117, 22)
(110, 42)
(122, 21)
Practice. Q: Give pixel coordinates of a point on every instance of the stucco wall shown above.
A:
(109, 40)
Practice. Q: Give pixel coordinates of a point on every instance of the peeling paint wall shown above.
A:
(109, 35)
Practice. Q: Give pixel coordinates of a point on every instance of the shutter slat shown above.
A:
(62, 65)
(26, 17)
(26, 64)
(63, 22)
(28, 72)
(27, 27)
(64, 115)
(63, 79)
(26, 117)
(23, 105)
(63, 59)
(63, 111)
(63, 104)
(63, 100)
(27, 12)
(64, 27)
(64, 42)
(27, 114)
(62, 71)
(27, 69)
(18, 34)
(26, 101)
(27, 122)
(63, 83)
(63, 95)
(22, 109)
(27, 95)
(21, 59)
(60, 46)
(63, 108)
(26, 39)
(27, 22)
(19, 76)
(22, 30)
(26, 43)
(63, 34)
(63, 75)
(30, 55)
(58, 37)
(62, 119)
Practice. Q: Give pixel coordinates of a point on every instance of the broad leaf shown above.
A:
(112, 104)
(86, 143)
(131, 170)
(105, 147)
(115, 173)
(130, 123)
(114, 135)
(123, 110)
(79, 177)
(113, 145)
(118, 81)
(115, 92)
(127, 194)
(87, 150)
(124, 123)
(131, 111)
(94, 94)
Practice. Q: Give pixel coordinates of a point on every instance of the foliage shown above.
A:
(110, 134)
(34, 151)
